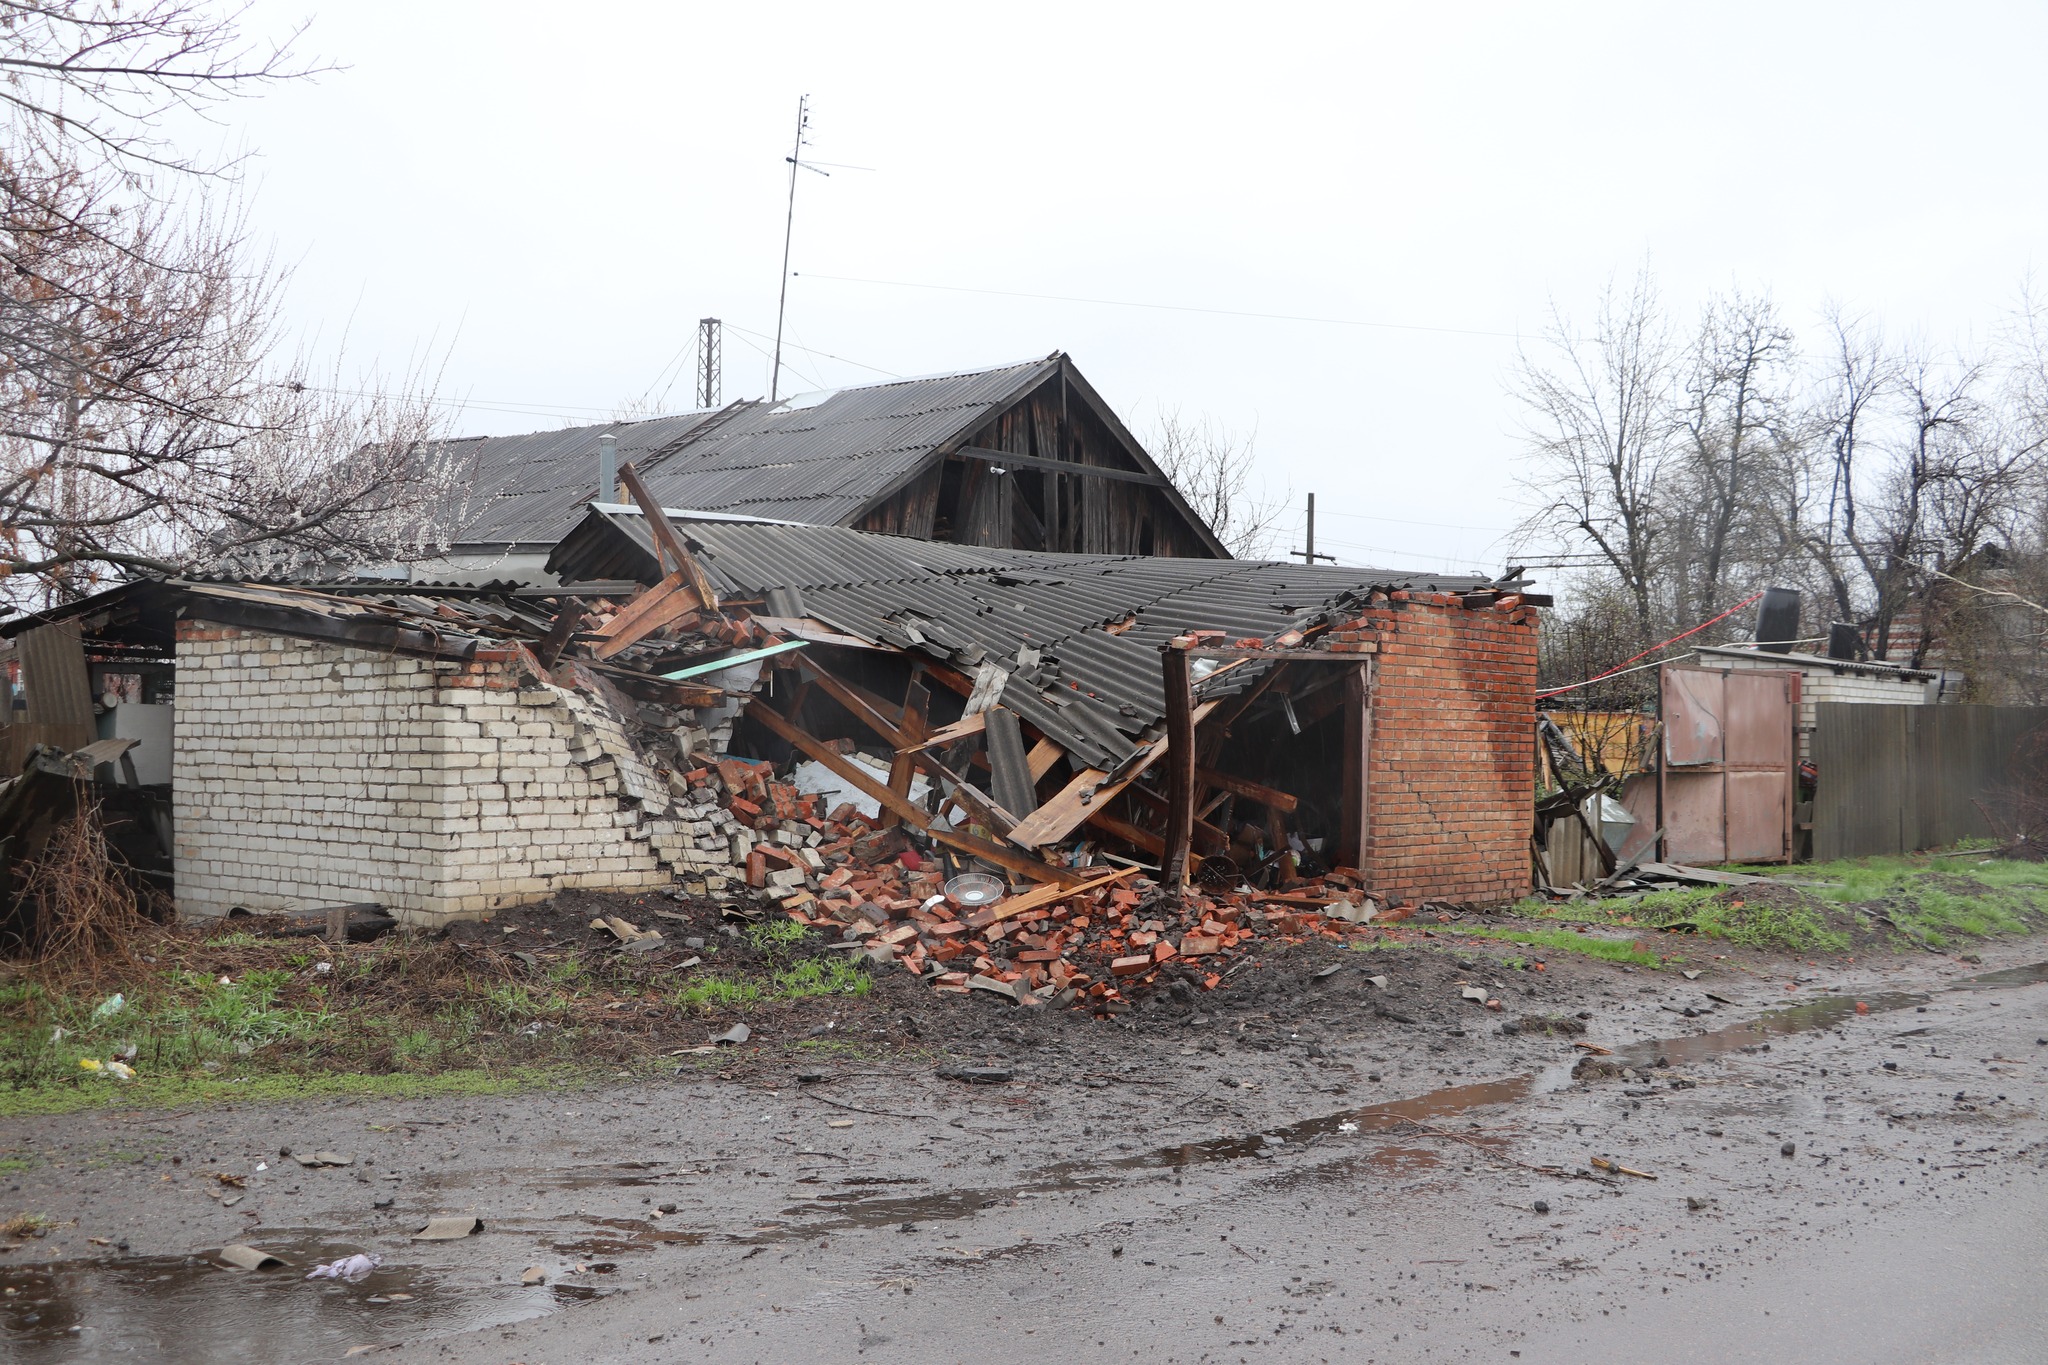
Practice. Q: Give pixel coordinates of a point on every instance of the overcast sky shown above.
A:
(547, 198)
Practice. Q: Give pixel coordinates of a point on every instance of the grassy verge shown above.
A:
(199, 1018)
(1830, 907)
(1567, 941)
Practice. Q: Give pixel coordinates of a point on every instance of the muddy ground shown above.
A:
(1301, 1165)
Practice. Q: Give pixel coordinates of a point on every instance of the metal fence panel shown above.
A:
(1895, 779)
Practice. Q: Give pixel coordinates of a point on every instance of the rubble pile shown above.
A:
(1113, 938)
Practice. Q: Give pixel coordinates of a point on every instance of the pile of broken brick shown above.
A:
(1102, 943)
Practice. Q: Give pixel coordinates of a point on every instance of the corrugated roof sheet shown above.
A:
(1094, 692)
(813, 458)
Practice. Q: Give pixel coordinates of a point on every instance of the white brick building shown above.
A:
(309, 774)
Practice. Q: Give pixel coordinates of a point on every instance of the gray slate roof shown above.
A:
(813, 458)
(1094, 692)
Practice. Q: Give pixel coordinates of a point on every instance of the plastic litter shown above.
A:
(121, 1070)
(109, 1007)
(350, 1268)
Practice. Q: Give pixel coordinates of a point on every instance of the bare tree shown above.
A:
(1905, 491)
(1598, 433)
(1738, 429)
(150, 418)
(1212, 467)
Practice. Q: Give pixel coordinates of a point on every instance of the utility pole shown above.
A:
(710, 364)
(1309, 555)
(803, 118)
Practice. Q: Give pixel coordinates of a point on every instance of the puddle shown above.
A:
(618, 1174)
(2032, 974)
(180, 1308)
(623, 1236)
(858, 1209)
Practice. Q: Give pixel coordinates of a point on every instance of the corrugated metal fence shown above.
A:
(1894, 779)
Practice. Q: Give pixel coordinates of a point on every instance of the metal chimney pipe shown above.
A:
(607, 468)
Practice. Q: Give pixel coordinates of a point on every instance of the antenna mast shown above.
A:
(710, 364)
(803, 118)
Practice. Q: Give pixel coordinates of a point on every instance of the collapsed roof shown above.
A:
(1077, 635)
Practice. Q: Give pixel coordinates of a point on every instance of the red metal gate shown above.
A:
(1726, 784)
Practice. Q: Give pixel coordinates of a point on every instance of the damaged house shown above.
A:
(446, 752)
(821, 710)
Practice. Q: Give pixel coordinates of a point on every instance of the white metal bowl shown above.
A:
(975, 889)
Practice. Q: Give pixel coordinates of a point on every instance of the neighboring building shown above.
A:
(1823, 679)
(1026, 456)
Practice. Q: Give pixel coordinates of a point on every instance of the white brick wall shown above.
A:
(308, 774)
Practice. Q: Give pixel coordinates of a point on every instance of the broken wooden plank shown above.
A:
(965, 728)
(1270, 797)
(1042, 757)
(557, 639)
(864, 781)
(1040, 897)
(659, 606)
(1704, 876)
(1059, 817)
(639, 604)
(667, 539)
(979, 805)
(917, 700)
(857, 702)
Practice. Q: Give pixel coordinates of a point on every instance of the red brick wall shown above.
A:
(1451, 770)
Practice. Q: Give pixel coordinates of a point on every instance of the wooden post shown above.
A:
(1180, 763)
(917, 700)
(557, 639)
(1353, 843)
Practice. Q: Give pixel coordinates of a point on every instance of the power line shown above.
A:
(1170, 307)
(808, 350)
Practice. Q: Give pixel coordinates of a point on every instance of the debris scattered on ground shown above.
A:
(449, 1229)
(248, 1258)
(313, 1160)
(350, 1268)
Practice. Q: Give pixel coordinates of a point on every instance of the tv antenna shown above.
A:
(803, 122)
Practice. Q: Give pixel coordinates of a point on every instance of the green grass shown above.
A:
(711, 991)
(1922, 896)
(1379, 945)
(1567, 941)
(236, 1016)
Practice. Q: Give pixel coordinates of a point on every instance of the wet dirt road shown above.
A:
(1191, 1198)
